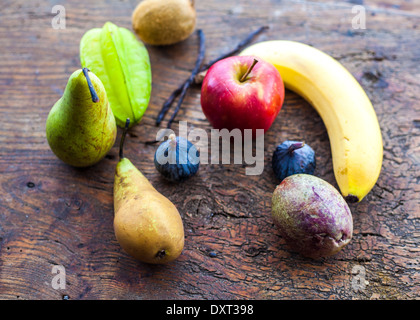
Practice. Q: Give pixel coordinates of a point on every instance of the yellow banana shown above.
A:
(348, 114)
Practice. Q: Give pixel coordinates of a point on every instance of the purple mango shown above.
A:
(313, 217)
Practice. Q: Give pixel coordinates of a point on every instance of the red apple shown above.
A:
(243, 92)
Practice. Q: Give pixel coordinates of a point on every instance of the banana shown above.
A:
(351, 122)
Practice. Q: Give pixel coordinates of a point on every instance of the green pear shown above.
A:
(81, 127)
(147, 225)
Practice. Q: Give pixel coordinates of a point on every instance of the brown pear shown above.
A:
(147, 225)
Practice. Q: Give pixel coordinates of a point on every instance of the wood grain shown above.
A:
(52, 214)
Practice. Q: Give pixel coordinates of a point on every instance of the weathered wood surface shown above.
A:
(52, 214)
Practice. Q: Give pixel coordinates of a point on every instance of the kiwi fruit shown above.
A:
(164, 22)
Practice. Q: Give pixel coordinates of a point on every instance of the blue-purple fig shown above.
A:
(312, 216)
(292, 157)
(177, 159)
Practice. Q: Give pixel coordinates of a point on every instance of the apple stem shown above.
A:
(249, 70)
(95, 97)
(127, 123)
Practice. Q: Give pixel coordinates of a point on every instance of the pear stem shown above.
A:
(95, 97)
(249, 70)
(127, 123)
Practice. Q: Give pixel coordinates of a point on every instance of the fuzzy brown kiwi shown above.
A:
(164, 22)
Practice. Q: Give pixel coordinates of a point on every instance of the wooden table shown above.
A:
(54, 216)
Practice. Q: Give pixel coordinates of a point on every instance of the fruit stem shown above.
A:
(249, 70)
(295, 146)
(127, 123)
(172, 139)
(351, 198)
(95, 97)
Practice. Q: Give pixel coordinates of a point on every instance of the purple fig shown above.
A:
(293, 157)
(313, 217)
